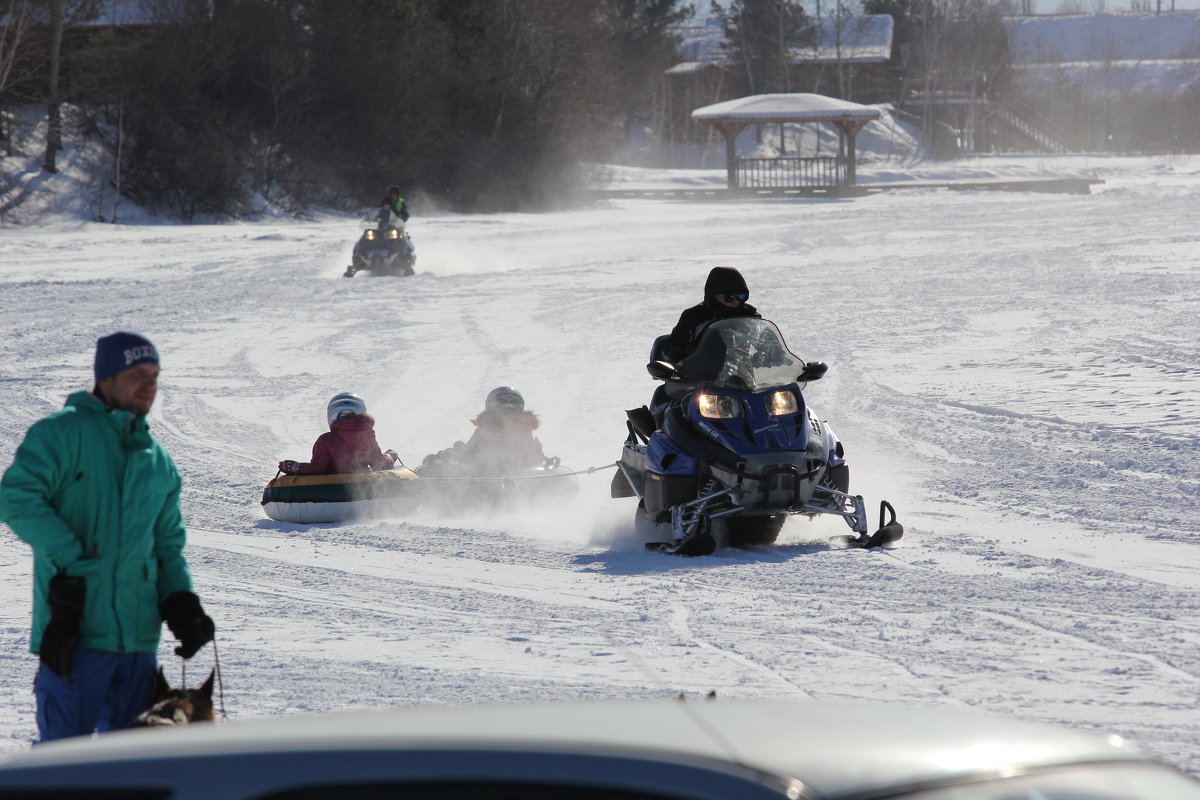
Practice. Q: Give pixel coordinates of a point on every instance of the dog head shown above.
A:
(178, 706)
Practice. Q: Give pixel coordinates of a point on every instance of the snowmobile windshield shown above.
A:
(381, 218)
(745, 354)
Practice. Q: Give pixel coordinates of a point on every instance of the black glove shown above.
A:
(61, 637)
(289, 467)
(187, 620)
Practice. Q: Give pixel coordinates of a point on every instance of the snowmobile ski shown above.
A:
(889, 531)
(701, 543)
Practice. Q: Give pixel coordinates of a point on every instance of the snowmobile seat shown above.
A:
(644, 423)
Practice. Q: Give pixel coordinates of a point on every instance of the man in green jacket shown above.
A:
(396, 203)
(97, 498)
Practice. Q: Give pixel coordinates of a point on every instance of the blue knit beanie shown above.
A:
(120, 351)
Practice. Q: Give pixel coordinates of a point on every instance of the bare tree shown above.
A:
(14, 28)
(53, 106)
(62, 13)
(643, 48)
(840, 34)
(761, 35)
(953, 50)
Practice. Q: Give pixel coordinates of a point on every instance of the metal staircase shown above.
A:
(1033, 128)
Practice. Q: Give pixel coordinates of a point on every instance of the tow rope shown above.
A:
(588, 471)
(548, 476)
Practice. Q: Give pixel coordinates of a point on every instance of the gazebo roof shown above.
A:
(794, 107)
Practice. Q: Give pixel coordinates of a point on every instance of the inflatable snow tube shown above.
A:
(451, 489)
(336, 498)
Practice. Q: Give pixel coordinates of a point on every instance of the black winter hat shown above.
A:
(119, 351)
(724, 280)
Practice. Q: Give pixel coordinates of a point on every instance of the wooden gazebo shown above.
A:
(788, 172)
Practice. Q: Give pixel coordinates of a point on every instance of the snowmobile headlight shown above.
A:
(781, 403)
(393, 233)
(370, 236)
(718, 406)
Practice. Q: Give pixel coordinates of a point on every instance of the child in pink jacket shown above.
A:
(350, 444)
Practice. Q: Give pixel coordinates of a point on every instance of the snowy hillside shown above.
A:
(1117, 55)
(1017, 373)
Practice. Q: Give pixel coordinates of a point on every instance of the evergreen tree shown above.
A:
(762, 34)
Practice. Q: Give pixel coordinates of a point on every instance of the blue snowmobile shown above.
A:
(730, 448)
(384, 247)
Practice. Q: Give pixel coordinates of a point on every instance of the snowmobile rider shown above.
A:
(350, 444)
(96, 497)
(503, 442)
(725, 295)
(395, 203)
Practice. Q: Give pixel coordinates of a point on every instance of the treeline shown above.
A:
(479, 104)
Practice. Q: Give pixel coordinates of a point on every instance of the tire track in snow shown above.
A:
(678, 621)
(1023, 621)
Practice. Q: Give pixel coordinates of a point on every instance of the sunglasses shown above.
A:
(729, 298)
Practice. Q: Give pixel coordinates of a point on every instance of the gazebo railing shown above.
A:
(790, 173)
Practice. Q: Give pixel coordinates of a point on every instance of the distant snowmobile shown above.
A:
(384, 247)
(735, 449)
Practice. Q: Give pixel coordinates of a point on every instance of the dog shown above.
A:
(174, 707)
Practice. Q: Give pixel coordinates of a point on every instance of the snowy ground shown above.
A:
(1017, 373)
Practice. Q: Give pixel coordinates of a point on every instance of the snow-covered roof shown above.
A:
(1104, 37)
(703, 44)
(793, 107)
(686, 67)
(862, 39)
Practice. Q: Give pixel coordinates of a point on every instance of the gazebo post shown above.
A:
(731, 176)
(850, 129)
(851, 159)
(730, 131)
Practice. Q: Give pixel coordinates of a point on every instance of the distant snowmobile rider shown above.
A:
(350, 444)
(395, 202)
(725, 295)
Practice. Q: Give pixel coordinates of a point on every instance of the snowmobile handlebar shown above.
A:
(813, 371)
(663, 371)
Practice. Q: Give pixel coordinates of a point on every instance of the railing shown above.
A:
(1031, 132)
(1037, 128)
(790, 173)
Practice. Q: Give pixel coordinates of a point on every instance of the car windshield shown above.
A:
(1146, 781)
(744, 354)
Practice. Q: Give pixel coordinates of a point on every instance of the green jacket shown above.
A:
(92, 492)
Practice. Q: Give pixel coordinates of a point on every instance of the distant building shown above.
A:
(851, 58)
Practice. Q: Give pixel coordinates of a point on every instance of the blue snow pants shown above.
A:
(104, 692)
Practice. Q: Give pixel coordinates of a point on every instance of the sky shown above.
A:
(1015, 372)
